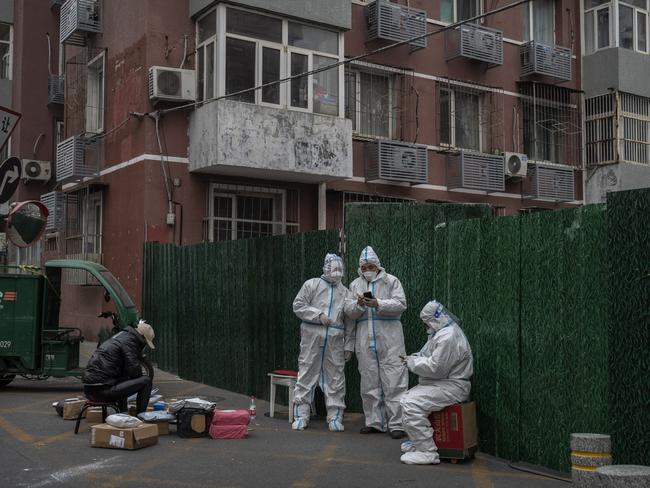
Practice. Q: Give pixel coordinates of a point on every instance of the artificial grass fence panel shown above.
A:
(628, 237)
(479, 282)
(563, 331)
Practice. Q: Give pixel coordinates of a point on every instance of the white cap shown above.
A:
(147, 332)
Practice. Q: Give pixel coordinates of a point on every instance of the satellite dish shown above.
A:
(26, 223)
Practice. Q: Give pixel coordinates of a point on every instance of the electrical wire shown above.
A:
(156, 117)
(194, 105)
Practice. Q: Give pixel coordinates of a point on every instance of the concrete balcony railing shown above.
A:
(243, 139)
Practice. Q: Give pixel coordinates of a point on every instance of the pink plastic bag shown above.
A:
(230, 417)
(228, 431)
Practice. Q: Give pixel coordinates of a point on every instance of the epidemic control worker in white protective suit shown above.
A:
(376, 302)
(445, 366)
(319, 304)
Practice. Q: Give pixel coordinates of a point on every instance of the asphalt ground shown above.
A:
(39, 449)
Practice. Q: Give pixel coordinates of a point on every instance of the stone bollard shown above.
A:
(622, 476)
(588, 452)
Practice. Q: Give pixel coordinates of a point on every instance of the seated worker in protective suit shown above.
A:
(376, 302)
(445, 366)
(114, 371)
(319, 305)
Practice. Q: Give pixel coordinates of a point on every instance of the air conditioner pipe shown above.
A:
(184, 51)
(49, 54)
(38, 139)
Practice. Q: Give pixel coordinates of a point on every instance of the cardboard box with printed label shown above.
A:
(104, 435)
(72, 407)
(454, 431)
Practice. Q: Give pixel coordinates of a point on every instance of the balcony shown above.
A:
(475, 42)
(78, 19)
(543, 60)
(392, 22)
(56, 89)
(397, 161)
(243, 139)
(475, 171)
(77, 158)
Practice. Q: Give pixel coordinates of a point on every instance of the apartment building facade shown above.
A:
(617, 99)
(155, 131)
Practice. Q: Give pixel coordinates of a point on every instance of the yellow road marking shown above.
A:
(144, 480)
(53, 438)
(481, 474)
(15, 431)
(318, 465)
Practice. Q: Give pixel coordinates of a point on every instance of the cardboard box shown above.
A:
(72, 407)
(104, 435)
(163, 427)
(454, 431)
(94, 415)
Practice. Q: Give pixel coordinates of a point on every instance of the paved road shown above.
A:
(39, 449)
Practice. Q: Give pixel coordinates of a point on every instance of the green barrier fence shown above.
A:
(533, 293)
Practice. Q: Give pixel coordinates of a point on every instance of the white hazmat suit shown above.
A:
(445, 366)
(378, 344)
(319, 305)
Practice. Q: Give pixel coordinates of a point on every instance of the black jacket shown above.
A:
(116, 360)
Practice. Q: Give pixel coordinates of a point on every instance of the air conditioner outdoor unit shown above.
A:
(515, 164)
(34, 170)
(172, 84)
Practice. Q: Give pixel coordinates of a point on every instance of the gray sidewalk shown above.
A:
(39, 449)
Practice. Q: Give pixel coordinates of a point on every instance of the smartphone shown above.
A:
(368, 294)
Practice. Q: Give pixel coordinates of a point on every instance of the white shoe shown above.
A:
(335, 426)
(419, 457)
(407, 446)
(299, 424)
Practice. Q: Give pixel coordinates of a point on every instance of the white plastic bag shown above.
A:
(122, 420)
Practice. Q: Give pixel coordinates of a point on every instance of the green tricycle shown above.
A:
(32, 343)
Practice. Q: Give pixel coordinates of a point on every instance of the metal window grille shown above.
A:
(475, 42)
(600, 127)
(83, 233)
(470, 117)
(393, 22)
(79, 18)
(618, 129)
(552, 126)
(76, 91)
(381, 102)
(242, 212)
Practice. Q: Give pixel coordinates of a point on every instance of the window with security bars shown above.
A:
(369, 103)
(83, 237)
(5, 51)
(552, 128)
(246, 212)
(95, 95)
(462, 118)
(630, 115)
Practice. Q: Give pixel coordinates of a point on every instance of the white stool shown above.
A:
(283, 378)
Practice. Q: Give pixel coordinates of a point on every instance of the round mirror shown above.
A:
(26, 223)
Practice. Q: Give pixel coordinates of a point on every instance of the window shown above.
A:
(84, 223)
(552, 127)
(261, 49)
(461, 113)
(599, 29)
(95, 95)
(238, 212)
(5, 51)
(457, 10)
(539, 22)
(368, 103)
(633, 25)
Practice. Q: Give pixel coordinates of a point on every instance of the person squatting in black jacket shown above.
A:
(114, 371)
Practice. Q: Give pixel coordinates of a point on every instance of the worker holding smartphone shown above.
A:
(377, 302)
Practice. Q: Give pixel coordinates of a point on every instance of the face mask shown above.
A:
(335, 276)
(369, 275)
